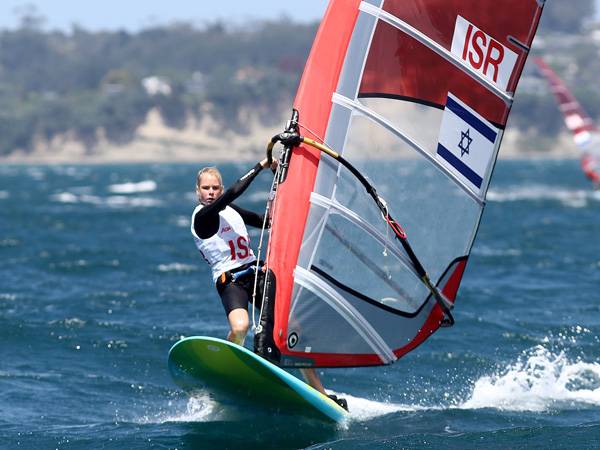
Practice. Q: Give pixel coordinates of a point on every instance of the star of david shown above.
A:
(464, 136)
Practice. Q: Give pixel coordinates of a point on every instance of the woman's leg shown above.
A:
(235, 297)
(238, 324)
(312, 378)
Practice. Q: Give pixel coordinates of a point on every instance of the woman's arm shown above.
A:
(250, 217)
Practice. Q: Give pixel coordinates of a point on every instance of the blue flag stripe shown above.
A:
(465, 170)
(471, 119)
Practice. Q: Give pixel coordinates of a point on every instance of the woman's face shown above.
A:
(209, 188)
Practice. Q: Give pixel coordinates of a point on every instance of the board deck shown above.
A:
(232, 373)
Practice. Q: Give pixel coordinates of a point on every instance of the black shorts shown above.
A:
(238, 293)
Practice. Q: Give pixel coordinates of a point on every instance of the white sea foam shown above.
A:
(132, 188)
(540, 380)
(362, 409)
(182, 221)
(199, 408)
(484, 250)
(8, 242)
(176, 267)
(122, 201)
(575, 198)
(74, 322)
(7, 297)
(65, 197)
(36, 173)
(115, 201)
(24, 374)
(76, 172)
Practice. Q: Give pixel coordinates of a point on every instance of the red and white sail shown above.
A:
(416, 94)
(584, 131)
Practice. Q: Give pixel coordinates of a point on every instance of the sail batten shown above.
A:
(412, 98)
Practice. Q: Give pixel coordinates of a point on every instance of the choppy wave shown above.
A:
(110, 201)
(177, 267)
(202, 408)
(8, 242)
(182, 221)
(122, 201)
(539, 381)
(199, 408)
(575, 198)
(132, 188)
(18, 374)
(362, 409)
(77, 172)
(37, 173)
(74, 322)
(484, 250)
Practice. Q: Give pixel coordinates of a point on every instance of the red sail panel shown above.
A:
(313, 101)
(399, 66)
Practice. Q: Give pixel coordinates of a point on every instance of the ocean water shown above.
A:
(99, 277)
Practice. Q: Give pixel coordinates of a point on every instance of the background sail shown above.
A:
(416, 93)
(584, 131)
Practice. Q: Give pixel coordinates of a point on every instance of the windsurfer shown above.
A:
(220, 234)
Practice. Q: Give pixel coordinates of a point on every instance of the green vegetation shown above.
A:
(87, 83)
(80, 82)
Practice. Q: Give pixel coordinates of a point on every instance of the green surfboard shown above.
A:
(233, 374)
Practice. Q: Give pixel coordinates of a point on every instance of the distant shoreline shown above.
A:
(210, 158)
(205, 143)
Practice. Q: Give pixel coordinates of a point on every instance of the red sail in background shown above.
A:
(346, 294)
(585, 133)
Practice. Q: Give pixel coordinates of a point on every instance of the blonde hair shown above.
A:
(211, 171)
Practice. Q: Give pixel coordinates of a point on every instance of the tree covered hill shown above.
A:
(104, 83)
(52, 82)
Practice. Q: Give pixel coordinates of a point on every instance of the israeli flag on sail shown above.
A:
(466, 143)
